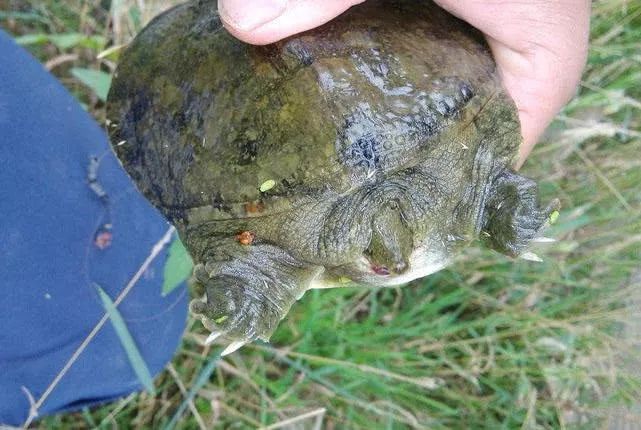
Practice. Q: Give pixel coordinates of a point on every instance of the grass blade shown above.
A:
(133, 354)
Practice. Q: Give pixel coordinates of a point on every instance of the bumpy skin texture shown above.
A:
(386, 133)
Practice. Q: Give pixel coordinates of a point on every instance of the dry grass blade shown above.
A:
(317, 415)
(59, 60)
(424, 382)
(604, 179)
(129, 16)
(174, 374)
(201, 380)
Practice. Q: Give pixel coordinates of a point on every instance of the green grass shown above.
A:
(488, 343)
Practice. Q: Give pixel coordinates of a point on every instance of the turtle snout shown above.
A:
(399, 267)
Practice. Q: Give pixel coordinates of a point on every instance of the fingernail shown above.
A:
(247, 15)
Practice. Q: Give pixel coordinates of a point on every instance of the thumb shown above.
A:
(265, 21)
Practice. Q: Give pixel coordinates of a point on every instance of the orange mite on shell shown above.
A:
(254, 207)
(245, 237)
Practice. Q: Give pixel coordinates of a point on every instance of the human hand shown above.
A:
(540, 47)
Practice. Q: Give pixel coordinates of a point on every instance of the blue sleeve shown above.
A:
(58, 239)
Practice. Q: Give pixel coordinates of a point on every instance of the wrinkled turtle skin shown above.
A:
(372, 149)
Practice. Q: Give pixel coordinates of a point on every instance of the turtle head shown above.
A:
(391, 241)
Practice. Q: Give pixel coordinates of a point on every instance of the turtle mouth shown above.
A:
(383, 270)
(422, 262)
(379, 269)
(367, 266)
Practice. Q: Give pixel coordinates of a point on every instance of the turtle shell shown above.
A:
(213, 128)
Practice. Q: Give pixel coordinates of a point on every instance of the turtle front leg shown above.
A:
(248, 290)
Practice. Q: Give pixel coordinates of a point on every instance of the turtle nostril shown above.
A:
(400, 267)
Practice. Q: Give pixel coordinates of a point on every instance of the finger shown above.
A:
(266, 21)
(540, 49)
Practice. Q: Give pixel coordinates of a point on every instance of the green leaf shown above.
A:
(23, 16)
(267, 185)
(32, 39)
(64, 41)
(177, 268)
(97, 80)
(133, 354)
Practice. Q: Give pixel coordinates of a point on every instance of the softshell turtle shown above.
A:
(371, 149)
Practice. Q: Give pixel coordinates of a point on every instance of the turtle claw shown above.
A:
(530, 256)
(233, 347)
(212, 337)
(543, 240)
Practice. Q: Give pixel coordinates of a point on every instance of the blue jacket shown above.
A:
(58, 239)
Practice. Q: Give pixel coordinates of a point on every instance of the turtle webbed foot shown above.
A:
(237, 310)
(245, 301)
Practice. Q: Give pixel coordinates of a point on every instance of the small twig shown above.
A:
(239, 414)
(121, 405)
(608, 93)
(157, 248)
(317, 413)
(201, 380)
(361, 304)
(33, 410)
(183, 391)
(593, 128)
(293, 387)
(241, 375)
(60, 59)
